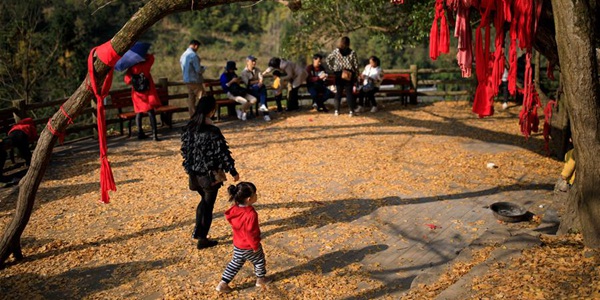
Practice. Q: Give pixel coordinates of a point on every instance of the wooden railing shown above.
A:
(85, 123)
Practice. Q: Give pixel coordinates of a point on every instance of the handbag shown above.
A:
(346, 75)
(140, 82)
(368, 87)
(237, 90)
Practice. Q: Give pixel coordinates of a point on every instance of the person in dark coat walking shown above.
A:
(206, 158)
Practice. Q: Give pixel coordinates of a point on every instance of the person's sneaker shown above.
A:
(244, 116)
(315, 106)
(374, 109)
(267, 118)
(263, 281)
(336, 113)
(239, 113)
(359, 109)
(504, 105)
(223, 287)
(351, 114)
(263, 108)
(206, 243)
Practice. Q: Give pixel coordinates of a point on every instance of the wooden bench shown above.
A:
(212, 87)
(121, 100)
(393, 84)
(401, 86)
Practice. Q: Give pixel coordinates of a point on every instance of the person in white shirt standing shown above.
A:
(192, 74)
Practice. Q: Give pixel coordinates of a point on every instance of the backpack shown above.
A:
(140, 83)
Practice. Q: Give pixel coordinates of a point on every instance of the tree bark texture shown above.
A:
(152, 12)
(576, 37)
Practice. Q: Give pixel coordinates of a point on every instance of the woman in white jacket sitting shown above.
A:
(371, 79)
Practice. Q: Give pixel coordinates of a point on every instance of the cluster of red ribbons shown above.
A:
(522, 16)
(108, 56)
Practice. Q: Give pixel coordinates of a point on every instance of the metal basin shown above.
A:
(509, 212)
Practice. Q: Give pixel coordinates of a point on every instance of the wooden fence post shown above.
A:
(163, 82)
(413, 80)
(21, 106)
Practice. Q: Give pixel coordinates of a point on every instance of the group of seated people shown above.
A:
(249, 87)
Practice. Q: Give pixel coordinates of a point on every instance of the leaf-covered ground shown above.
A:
(330, 193)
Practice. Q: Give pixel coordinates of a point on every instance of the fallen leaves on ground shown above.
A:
(334, 195)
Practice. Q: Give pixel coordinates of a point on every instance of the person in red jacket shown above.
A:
(246, 236)
(143, 94)
(20, 136)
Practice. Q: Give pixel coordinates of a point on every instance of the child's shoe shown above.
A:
(267, 118)
(263, 281)
(336, 113)
(239, 113)
(223, 287)
(244, 116)
(374, 109)
(263, 108)
(359, 109)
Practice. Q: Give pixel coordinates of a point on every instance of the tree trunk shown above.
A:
(576, 38)
(152, 12)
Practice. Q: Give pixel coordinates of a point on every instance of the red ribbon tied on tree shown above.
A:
(107, 54)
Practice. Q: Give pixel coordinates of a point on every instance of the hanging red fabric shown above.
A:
(439, 40)
(108, 56)
(463, 32)
(483, 102)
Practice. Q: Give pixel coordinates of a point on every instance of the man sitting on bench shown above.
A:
(20, 136)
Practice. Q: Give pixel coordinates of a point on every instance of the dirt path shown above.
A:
(350, 208)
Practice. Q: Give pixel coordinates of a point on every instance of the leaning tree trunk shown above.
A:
(152, 12)
(577, 36)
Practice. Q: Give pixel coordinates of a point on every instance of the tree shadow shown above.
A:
(89, 162)
(449, 126)
(50, 194)
(77, 283)
(319, 214)
(325, 263)
(116, 239)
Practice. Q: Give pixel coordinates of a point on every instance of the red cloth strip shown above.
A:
(69, 119)
(108, 56)
(60, 135)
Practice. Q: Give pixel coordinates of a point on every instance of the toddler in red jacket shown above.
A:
(246, 236)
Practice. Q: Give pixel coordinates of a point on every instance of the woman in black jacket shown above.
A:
(206, 158)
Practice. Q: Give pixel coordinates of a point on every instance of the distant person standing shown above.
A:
(143, 94)
(344, 63)
(192, 74)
